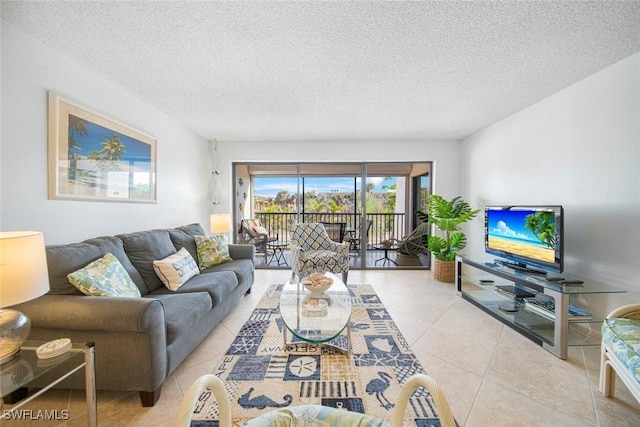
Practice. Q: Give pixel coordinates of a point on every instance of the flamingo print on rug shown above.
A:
(261, 375)
(378, 386)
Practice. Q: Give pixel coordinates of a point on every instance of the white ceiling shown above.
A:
(336, 70)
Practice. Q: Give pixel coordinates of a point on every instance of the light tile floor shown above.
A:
(492, 376)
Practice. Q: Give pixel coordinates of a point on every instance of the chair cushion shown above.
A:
(260, 230)
(311, 236)
(322, 261)
(176, 269)
(622, 338)
(315, 415)
(104, 277)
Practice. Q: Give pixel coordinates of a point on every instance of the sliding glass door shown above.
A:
(375, 203)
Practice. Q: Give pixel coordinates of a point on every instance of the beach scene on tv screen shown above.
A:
(522, 233)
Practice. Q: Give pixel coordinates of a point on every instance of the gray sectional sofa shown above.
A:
(138, 341)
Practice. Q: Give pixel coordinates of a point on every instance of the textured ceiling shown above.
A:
(336, 70)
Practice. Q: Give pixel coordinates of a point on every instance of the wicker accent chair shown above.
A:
(620, 350)
(256, 234)
(312, 250)
(315, 415)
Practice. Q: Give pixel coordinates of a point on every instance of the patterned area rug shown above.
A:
(261, 375)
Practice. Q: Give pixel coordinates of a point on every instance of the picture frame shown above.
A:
(95, 158)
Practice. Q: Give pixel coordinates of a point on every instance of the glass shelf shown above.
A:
(581, 332)
(537, 281)
(477, 282)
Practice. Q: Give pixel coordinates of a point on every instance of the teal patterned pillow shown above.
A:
(212, 250)
(104, 277)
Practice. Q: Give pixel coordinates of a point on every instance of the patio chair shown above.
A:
(355, 241)
(257, 234)
(412, 245)
(313, 251)
(312, 414)
(335, 230)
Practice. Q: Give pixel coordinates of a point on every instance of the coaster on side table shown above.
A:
(53, 348)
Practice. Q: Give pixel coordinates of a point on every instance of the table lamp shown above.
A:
(220, 223)
(23, 277)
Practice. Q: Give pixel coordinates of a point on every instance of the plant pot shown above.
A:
(444, 271)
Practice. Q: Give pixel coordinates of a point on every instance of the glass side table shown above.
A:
(16, 375)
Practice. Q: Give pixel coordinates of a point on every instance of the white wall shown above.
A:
(444, 155)
(29, 70)
(578, 148)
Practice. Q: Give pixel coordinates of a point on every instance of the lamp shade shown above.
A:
(23, 267)
(220, 223)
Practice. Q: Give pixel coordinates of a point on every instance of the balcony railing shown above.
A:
(385, 225)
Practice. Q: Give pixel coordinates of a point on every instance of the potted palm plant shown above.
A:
(447, 215)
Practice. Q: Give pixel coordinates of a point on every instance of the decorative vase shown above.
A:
(444, 271)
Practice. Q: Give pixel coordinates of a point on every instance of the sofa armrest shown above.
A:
(129, 335)
(79, 313)
(241, 251)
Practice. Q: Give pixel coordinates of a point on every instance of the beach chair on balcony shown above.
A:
(412, 245)
(256, 234)
(312, 250)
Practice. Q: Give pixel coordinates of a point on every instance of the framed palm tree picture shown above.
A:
(92, 157)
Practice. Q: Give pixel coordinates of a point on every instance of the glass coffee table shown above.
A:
(316, 318)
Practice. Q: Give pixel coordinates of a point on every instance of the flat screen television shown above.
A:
(525, 236)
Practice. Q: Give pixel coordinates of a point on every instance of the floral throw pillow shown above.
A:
(104, 277)
(176, 269)
(212, 250)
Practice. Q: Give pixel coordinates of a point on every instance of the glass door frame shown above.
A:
(409, 195)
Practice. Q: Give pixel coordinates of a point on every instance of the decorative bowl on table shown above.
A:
(312, 306)
(317, 283)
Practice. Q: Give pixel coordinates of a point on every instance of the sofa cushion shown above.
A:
(622, 337)
(212, 250)
(182, 237)
(182, 311)
(65, 259)
(176, 269)
(143, 248)
(242, 268)
(104, 277)
(217, 284)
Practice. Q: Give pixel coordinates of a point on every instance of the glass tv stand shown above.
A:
(489, 286)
